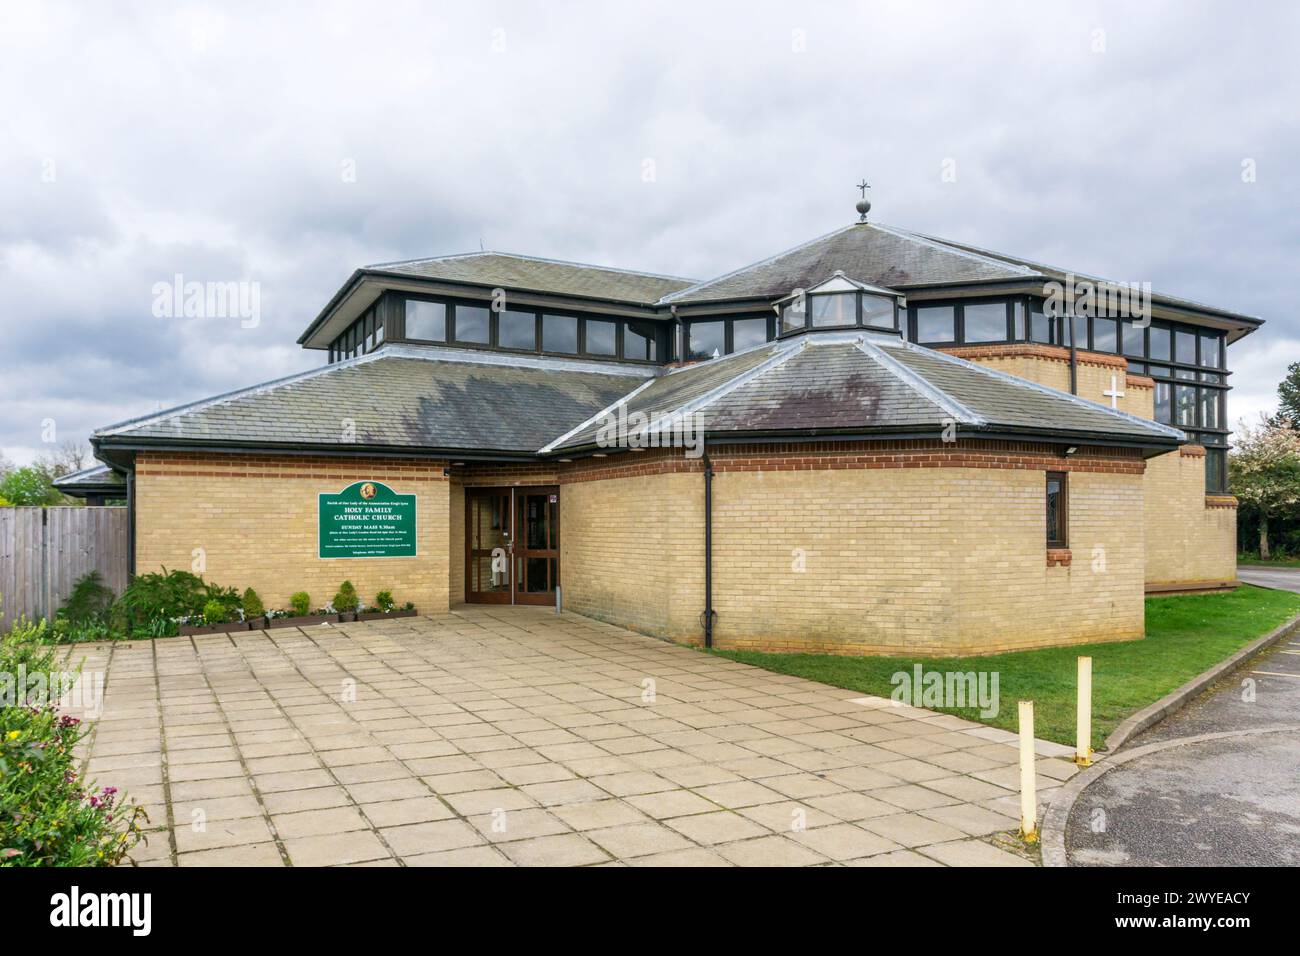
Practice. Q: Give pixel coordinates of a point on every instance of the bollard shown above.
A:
(1028, 798)
(557, 599)
(1083, 722)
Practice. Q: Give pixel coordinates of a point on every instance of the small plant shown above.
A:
(384, 601)
(253, 606)
(346, 600)
(214, 612)
(152, 603)
(300, 603)
(408, 606)
(87, 606)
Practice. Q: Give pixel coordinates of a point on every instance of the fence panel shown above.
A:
(45, 551)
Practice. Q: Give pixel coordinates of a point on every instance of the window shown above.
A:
(936, 323)
(601, 337)
(1212, 351)
(1057, 509)
(517, 330)
(640, 341)
(1185, 348)
(793, 315)
(1210, 408)
(426, 321)
(748, 332)
(1184, 406)
(1160, 344)
(1040, 325)
(471, 324)
(703, 338)
(1164, 403)
(1104, 335)
(829, 311)
(560, 334)
(878, 312)
(985, 322)
(1134, 339)
(1216, 470)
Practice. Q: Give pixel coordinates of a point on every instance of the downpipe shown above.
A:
(709, 615)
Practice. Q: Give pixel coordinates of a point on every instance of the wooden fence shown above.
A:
(45, 551)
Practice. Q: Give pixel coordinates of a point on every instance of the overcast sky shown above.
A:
(286, 144)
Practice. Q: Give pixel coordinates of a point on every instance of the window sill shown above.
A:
(1059, 556)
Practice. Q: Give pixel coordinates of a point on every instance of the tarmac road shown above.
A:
(1227, 802)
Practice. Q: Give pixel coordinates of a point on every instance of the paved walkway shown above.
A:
(510, 736)
(1233, 801)
(1282, 579)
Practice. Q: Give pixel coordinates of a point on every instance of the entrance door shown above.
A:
(512, 545)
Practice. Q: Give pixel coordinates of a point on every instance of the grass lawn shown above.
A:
(1185, 636)
(1253, 561)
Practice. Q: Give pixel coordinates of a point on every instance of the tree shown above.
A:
(69, 457)
(1288, 393)
(29, 486)
(1264, 472)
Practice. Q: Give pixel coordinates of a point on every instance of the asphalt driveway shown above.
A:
(508, 736)
(1199, 798)
(1282, 579)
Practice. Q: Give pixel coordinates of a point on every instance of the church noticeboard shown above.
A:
(367, 519)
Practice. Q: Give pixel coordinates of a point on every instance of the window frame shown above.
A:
(1062, 541)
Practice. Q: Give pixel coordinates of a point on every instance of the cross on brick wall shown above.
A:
(1113, 393)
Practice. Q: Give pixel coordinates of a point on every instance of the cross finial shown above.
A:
(864, 204)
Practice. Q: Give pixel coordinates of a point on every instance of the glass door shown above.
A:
(537, 547)
(512, 545)
(488, 538)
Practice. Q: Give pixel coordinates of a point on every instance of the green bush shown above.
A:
(29, 486)
(300, 602)
(48, 815)
(253, 606)
(214, 612)
(346, 599)
(384, 601)
(88, 603)
(151, 603)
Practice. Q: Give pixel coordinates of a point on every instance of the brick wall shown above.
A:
(255, 518)
(1191, 539)
(858, 548)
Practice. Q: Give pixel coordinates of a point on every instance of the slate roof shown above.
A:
(866, 252)
(397, 400)
(541, 275)
(861, 383)
(93, 480)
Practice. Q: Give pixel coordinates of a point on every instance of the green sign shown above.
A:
(366, 519)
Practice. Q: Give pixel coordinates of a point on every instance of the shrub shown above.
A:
(384, 601)
(152, 602)
(88, 603)
(214, 612)
(48, 815)
(253, 606)
(300, 602)
(29, 486)
(346, 600)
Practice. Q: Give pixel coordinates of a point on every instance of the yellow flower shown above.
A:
(13, 735)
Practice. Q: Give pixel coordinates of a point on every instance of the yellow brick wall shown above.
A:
(456, 543)
(632, 552)
(1188, 541)
(256, 520)
(935, 560)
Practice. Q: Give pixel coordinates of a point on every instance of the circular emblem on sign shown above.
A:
(367, 491)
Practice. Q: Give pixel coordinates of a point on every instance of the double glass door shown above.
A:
(512, 545)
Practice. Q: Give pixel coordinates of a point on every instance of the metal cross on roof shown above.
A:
(864, 186)
(864, 204)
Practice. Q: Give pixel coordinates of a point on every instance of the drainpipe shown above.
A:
(708, 551)
(1074, 359)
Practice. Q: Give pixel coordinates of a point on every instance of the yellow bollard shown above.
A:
(1028, 798)
(1083, 723)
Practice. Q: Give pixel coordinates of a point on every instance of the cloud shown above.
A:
(212, 140)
